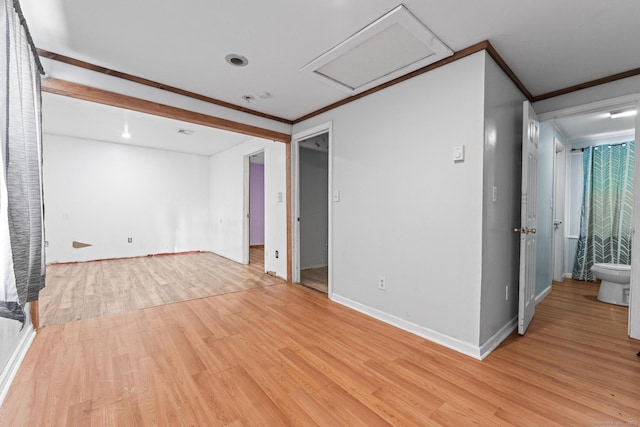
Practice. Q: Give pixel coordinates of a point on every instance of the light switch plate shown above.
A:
(336, 196)
(458, 153)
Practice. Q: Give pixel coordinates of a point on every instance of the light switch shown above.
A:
(279, 197)
(458, 153)
(336, 196)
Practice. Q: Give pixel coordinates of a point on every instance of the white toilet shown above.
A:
(614, 288)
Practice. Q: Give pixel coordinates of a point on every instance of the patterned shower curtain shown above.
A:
(607, 208)
(21, 211)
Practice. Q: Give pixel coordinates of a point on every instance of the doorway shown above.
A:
(311, 205)
(575, 133)
(572, 130)
(255, 212)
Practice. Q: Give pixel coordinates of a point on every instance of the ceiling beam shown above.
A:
(100, 96)
(88, 66)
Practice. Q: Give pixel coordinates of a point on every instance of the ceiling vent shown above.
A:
(392, 46)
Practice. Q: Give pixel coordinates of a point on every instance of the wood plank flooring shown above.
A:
(284, 355)
(316, 278)
(98, 288)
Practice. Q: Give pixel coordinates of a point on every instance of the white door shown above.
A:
(527, 229)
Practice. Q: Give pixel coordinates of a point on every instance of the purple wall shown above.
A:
(256, 204)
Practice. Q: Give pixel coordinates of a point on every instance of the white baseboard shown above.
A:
(437, 337)
(11, 369)
(543, 295)
(497, 338)
(567, 275)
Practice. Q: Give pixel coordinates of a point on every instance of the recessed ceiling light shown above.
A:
(185, 131)
(236, 60)
(622, 113)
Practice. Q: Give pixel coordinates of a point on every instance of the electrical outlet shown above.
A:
(506, 294)
(130, 240)
(382, 283)
(277, 254)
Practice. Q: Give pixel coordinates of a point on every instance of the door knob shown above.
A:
(525, 230)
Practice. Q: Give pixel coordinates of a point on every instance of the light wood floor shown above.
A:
(93, 289)
(284, 355)
(316, 278)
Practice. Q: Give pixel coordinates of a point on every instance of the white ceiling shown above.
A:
(62, 115)
(549, 44)
(595, 126)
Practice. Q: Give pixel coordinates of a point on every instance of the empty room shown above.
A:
(338, 213)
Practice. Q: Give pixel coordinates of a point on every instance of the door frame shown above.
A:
(245, 205)
(612, 103)
(295, 199)
(558, 237)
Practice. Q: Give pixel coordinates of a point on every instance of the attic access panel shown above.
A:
(392, 46)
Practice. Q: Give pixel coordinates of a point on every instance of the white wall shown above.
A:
(15, 341)
(227, 181)
(11, 332)
(544, 236)
(314, 209)
(103, 193)
(502, 170)
(275, 207)
(227, 202)
(406, 210)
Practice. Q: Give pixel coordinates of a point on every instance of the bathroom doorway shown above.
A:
(573, 134)
(567, 133)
